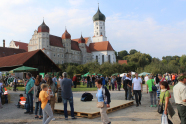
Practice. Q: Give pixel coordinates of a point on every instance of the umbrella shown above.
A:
(115, 74)
(143, 74)
(23, 69)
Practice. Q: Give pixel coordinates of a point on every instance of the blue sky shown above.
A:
(156, 27)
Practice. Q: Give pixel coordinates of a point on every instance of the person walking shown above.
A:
(1, 91)
(37, 90)
(137, 89)
(15, 82)
(88, 81)
(93, 81)
(179, 91)
(66, 93)
(150, 83)
(45, 105)
(74, 79)
(146, 78)
(106, 80)
(112, 82)
(103, 97)
(52, 89)
(29, 93)
(164, 99)
(128, 87)
(44, 80)
(118, 79)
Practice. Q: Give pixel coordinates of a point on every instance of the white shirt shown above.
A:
(179, 92)
(146, 78)
(137, 83)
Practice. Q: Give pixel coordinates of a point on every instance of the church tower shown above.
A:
(99, 27)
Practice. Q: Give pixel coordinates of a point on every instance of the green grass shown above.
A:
(19, 88)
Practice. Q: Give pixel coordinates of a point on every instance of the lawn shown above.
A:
(19, 88)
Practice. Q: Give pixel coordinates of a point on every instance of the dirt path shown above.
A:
(131, 115)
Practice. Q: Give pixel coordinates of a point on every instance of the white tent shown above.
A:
(121, 75)
(133, 73)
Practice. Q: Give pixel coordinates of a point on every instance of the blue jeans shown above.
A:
(29, 102)
(71, 106)
(88, 84)
(38, 105)
(6, 99)
(93, 83)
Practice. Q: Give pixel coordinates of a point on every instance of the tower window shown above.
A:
(109, 58)
(97, 27)
(101, 33)
(101, 27)
(97, 33)
(96, 58)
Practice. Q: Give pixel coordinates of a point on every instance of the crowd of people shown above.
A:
(41, 92)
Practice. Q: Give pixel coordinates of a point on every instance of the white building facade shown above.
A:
(66, 50)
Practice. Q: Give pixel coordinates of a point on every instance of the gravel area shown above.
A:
(131, 115)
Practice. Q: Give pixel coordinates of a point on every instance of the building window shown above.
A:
(97, 27)
(97, 33)
(101, 27)
(67, 44)
(62, 62)
(62, 55)
(58, 55)
(54, 55)
(101, 33)
(109, 58)
(96, 58)
(102, 59)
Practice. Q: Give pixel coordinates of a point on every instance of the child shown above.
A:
(5, 94)
(44, 97)
(22, 101)
(109, 85)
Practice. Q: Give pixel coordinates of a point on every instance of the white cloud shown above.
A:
(76, 2)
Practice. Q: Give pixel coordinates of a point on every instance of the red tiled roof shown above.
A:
(55, 41)
(43, 28)
(122, 62)
(75, 45)
(86, 39)
(101, 46)
(4, 51)
(16, 60)
(66, 35)
(21, 45)
(88, 50)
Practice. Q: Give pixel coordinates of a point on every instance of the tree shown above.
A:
(183, 60)
(123, 53)
(133, 51)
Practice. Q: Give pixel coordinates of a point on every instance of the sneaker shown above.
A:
(74, 118)
(155, 105)
(53, 119)
(151, 105)
(137, 105)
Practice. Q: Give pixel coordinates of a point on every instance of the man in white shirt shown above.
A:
(179, 92)
(137, 88)
(146, 78)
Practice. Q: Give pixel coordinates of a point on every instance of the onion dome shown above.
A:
(99, 16)
(81, 40)
(43, 28)
(66, 35)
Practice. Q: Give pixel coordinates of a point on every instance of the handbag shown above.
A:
(154, 88)
(100, 104)
(160, 106)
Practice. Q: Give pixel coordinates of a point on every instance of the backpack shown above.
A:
(86, 97)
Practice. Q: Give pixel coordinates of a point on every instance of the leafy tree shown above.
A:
(133, 51)
(123, 53)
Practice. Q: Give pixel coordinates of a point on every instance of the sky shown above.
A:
(155, 27)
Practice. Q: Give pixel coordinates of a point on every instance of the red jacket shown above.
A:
(74, 78)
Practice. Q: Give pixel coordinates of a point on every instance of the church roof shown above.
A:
(43, 28)
(101, 46)
(99, 16)
(55, 41)
(75, 45)
(22, 45)
(4, 51)
(81, 40)
(88, 50)
(66, 35)
(86, 39)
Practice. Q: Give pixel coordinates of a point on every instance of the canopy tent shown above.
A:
(23, 69)
(115, 74)
(143, 74)
(97, 74)
(85, 75)
(121, 75)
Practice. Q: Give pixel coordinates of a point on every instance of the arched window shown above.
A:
(97, 27)
(96, 58)
(97, 33)
(101, 27)
(101, 33)
(102, 59)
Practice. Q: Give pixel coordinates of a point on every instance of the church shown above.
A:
(66, 50)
